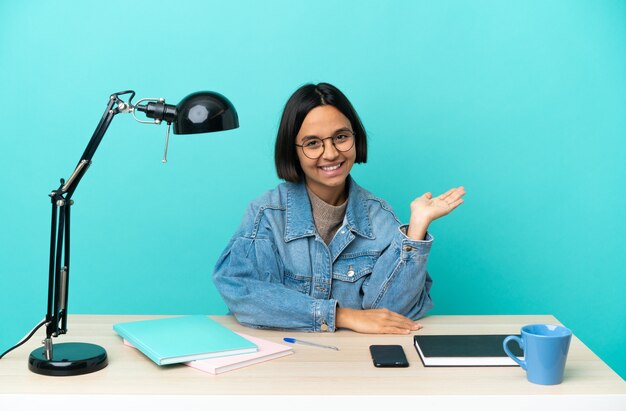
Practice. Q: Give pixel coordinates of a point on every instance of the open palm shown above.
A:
(429, 208)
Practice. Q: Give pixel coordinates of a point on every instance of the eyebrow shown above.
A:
(339, 130)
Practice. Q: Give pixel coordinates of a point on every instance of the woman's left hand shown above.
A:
(426, 209)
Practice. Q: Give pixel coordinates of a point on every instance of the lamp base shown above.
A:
(68, 359)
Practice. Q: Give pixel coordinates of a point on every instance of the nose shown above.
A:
(330, 152)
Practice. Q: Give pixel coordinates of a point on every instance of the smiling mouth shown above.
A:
(331, 168)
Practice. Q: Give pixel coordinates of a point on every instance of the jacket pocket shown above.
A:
(353, 268)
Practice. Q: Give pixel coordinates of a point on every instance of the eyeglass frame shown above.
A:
(332, 141)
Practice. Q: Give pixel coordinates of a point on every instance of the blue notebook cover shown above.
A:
(181, 339)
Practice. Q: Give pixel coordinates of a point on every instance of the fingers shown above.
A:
(456, 204)
(393, 330)
(453, 193)
(389, 329)
(375, 321)
(446, 194)
(395, 323)
(453, 196)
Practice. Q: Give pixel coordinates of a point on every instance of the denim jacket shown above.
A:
(277, 272)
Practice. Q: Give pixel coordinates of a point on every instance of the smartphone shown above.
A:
(388, 356)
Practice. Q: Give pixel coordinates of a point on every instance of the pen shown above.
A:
(296, 341)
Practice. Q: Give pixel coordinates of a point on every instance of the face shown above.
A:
(326, 175)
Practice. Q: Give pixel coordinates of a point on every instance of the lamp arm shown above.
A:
(59, 265)
(115, 106)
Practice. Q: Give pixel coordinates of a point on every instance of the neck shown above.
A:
(330, 195)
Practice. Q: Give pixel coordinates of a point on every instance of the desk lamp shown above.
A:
(201, 112)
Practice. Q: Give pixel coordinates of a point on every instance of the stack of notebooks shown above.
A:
(199, 342)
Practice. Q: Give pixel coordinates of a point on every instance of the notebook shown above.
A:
(465, 350)
(181, 339)
(268, 350)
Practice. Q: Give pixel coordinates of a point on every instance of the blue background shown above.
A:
(521, 102)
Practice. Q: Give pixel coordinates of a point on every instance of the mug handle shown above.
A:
(519, 341)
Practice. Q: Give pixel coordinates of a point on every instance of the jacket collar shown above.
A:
(300, 221)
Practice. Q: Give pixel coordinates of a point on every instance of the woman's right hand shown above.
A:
(375, 321)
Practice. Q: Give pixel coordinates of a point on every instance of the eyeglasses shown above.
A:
(313, 147)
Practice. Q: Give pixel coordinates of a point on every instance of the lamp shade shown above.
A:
(205, 112)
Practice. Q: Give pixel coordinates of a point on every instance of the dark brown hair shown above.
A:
(301, 102)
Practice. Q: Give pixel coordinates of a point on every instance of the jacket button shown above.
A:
(408, 248)
(324, 327)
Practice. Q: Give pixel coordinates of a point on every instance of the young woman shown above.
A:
(319, 252)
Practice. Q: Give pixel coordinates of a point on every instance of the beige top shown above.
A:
(328, 218)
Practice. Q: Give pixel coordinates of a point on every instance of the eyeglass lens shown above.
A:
(314, 147)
